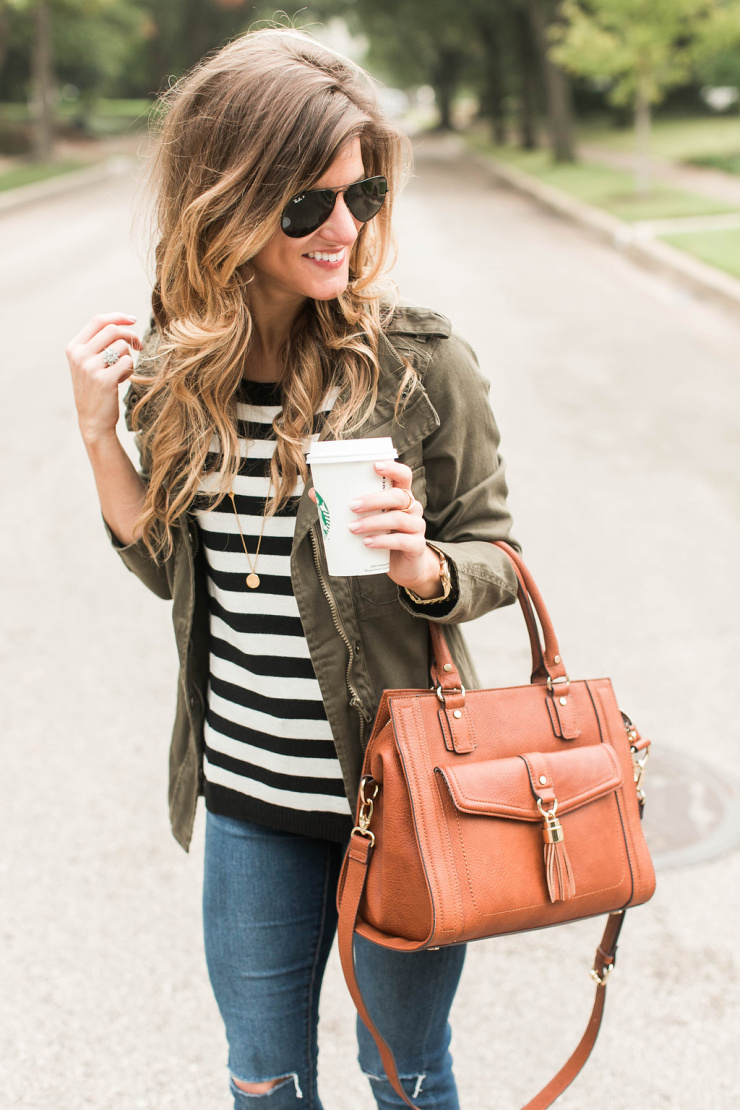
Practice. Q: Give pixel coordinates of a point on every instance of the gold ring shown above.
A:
(412, 501)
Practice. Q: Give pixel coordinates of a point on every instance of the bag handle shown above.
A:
(547, 664)
(545, 656)
(358, 857)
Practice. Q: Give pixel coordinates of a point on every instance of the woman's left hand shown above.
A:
(413, 563)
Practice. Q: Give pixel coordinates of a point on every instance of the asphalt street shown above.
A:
(618, 399)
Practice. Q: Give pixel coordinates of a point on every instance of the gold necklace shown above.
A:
(253, 579)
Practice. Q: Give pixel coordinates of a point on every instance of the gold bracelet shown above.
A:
(445, 578)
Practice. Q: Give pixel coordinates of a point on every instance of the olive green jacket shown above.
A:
(364, 634)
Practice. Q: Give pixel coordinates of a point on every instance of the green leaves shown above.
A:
(636, 44)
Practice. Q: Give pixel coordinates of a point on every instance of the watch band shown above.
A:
(445, 578)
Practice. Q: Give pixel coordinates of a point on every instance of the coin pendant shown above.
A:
(253, 581)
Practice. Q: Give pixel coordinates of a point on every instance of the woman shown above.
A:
(275, 176)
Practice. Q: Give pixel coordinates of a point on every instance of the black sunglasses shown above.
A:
(308, 211)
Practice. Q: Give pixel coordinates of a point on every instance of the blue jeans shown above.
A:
(269, 918)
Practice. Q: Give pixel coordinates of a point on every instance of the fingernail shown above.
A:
(354, 527)
(355, 505)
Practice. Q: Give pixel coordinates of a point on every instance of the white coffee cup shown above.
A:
(343, 470)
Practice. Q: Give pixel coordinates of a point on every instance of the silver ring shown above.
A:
(111, 356)
(412, 501)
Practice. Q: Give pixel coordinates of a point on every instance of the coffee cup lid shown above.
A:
(352, 450)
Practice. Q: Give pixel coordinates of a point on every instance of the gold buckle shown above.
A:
(601, 979)
(554, 681)
(451, 690)
(639, 763)
(366, 810)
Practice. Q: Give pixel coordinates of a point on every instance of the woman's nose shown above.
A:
(341, 227)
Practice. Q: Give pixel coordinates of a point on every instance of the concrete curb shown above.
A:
(63, 183)
(698, 277)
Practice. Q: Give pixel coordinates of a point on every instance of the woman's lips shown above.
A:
(327, 260)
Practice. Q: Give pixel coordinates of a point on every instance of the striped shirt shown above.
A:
(270, 755)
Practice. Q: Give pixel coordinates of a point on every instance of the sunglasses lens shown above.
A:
(308, 211)
(365, 199)
(304, 213)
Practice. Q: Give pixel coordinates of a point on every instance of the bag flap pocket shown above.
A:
(511, 787)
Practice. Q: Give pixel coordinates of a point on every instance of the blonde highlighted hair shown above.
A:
(241, 134)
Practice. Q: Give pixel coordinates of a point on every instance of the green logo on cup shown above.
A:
(323, 513)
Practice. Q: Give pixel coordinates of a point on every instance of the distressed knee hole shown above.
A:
(406, 1081)
(268, 1086)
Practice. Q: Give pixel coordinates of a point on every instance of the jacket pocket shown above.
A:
(373, 591)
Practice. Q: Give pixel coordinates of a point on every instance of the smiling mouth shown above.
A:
(326, 256)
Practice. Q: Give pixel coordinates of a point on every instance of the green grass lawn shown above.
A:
(680, 140)
(612, 190)
(717, 248)
(102, 118)
(29, 175)
(603, 186)
(728, 163)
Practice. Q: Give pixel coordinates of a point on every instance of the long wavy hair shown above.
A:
(247, 129)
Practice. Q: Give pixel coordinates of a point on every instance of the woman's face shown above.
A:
(290, 269)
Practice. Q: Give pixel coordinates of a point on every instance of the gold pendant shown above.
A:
(253, 580)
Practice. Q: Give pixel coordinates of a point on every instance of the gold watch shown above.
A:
(444, 577)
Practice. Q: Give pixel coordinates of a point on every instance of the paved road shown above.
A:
(618, 400)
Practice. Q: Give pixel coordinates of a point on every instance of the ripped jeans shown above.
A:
(269, 919)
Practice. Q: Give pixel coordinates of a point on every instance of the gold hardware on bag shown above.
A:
(554, 681)
(639, 762)
(366, 810)
(454, 690)
(601, 979)
(640, 749)
(553, 830)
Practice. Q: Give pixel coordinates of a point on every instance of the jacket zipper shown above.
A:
(355, 699)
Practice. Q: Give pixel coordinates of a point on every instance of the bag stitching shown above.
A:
(436, 894)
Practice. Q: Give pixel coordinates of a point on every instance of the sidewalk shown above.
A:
(106, 157)
(707, 182)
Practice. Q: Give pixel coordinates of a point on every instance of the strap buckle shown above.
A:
(639, 761)
(600, 980)
(450, 690)
(366, 809)
(554, 681)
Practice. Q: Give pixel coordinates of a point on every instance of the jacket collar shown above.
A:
(417, 419)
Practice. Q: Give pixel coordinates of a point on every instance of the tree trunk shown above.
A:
(493, 90)
(42, 82)
(556, 85)
(643, 121)
(444, 81)
(528, 130)
(4, 33)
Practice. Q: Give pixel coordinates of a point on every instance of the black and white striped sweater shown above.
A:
(270, 756)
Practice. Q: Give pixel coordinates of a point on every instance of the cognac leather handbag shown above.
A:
(484, 812)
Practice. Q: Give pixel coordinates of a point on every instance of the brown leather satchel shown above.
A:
(496, 811)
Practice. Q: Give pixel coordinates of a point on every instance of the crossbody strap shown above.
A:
(358, 858)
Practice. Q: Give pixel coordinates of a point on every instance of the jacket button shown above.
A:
(358, 649)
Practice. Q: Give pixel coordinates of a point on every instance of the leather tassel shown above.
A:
(560, 883)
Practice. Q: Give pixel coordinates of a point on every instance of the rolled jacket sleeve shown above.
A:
(466, 489)
(156, 574)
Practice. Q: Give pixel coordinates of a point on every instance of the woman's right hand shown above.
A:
(95, 384)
